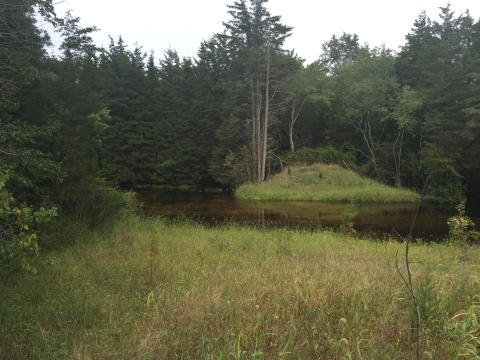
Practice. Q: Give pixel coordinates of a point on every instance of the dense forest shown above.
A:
(77, 126)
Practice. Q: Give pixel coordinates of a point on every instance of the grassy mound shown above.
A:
(323, 183)
(151, 290)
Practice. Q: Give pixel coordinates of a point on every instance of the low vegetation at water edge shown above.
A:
(321, 182)
(148, 289)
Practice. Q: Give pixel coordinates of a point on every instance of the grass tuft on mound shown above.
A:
(319, 182)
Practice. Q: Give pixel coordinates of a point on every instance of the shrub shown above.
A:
(346, 218)
(326, 155)
(18, 225)
(459, 232)
(94, 202)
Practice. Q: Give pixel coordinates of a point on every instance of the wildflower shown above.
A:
(398, 340)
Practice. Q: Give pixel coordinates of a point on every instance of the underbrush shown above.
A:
(321, 182)
(148, 288)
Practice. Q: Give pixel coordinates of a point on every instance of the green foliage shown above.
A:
(335, 185)
(437, 62)
(460, 231)
(443, 186)
(270, 288)
(95, 203)
(366, 88)
(258, 76)
(18, 225)
(229, 163)
(340, 51)
(464, 328)
(68, 121)
(346, 226)
(324, 155)
(406, 108)
(429, 305)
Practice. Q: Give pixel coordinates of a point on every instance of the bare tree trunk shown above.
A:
(290, 131)
(366, 121)
(397, 161)
(254, 132)
(258, 104)
(293, 119)
(265, 122)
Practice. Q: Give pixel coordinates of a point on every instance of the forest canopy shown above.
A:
(77, 125)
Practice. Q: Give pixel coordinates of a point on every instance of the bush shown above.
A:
(445, 187)
(94, 202)
(346, 217)
(18, 225)
(459, 232)
(326, 155)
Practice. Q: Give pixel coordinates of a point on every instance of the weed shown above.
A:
(431, 314)
(283, 244)
(464, 328)
(459, 232)
(346, 226)
(152, 252)
(291, 294)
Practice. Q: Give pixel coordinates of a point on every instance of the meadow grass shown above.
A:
(321, 182)
(148, 289)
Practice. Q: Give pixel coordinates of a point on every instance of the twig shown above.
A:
(409, 284)
(281, 161)
(344, 163)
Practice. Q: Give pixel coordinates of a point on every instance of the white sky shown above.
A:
(183, 24)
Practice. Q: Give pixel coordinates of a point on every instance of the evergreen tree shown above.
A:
(437, 63)
(124, 90)
(22, 165)
(259, 69)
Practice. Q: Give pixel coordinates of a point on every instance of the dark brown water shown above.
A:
(380, 219)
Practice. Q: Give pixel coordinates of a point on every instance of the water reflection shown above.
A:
(431, 222)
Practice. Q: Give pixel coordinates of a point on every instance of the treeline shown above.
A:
(74, 127)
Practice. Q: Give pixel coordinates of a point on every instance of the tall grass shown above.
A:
(152, 290)
(323, 183)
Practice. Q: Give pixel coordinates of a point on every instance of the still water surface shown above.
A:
(381, 219)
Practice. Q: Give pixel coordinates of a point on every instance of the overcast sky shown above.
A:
(182, 25)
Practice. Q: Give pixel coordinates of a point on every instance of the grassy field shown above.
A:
(323, 183)
(151, 290)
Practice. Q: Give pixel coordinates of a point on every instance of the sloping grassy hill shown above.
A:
(321, 182)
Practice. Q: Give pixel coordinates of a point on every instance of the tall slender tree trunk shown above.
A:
(290, 128)
(293, 119)
(254, 132)
(398, 180)
(258, 104)
(265, 122)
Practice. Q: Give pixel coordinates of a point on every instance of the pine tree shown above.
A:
(124, 89)
(259, 69)
(437, 63)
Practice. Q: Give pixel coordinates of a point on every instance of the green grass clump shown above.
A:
(321, 182)
(152, 290)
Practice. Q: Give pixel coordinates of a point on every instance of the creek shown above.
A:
(373, 219)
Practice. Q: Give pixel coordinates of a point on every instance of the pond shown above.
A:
(372, 218)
